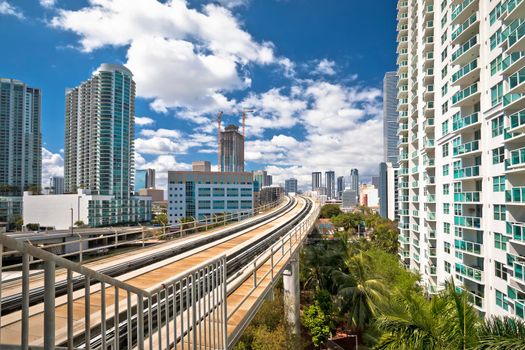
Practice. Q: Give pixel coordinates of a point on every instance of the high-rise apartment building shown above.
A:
(462, 152)
(340, 187)
(290, 185)
(354, 181)
(317, 181)
(329, 180)
(99, 146)
(20, 136)
(56, 185)
(388, 191)
(391, 153)
(231, 150)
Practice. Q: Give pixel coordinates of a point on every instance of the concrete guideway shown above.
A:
(80, 312)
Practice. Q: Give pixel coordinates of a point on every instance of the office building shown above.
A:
(388, 191)
(99, 145)
(269, 180)
(56, 185)
(461, 123)
(340, 187)
(260, 180)
(201, 165)
(354, 181)
(204, 194)
(271, 194)
(156, 195)
(290, 186)
(231, 150)
(391, 153)
(375, 181)
(316, 180)
(20, 136)
(349, 200)
(329, 180)
(144, 178)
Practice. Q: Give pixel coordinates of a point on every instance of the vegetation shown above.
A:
(330, 210)
(80, 223)
(358, 285)
(33, 227)
(161, 219)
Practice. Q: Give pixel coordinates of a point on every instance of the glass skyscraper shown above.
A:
(390, 114)
(20, 136)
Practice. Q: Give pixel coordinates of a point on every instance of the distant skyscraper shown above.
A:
(231, 150)
(96, 157)
(144, 178)
(290, 186)
(269, 180)
(56, 184)
(201, 165)
(388, 191)
(340, 186)
(316, 180)
(20, 136)
(390, 115)
(354, 181)
(260, 179)
(329, 180)
(375, 181)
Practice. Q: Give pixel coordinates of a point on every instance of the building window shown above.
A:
(498, 184)
(446, 189)
(497, 126)
(500, 212)
(500, 270)
(444, 107)
(444, 128)
(447, 266)
(446, 208)
(498, 155)
(446, 227)
(501, 301)
(445, 149)
(500, 241)
(496, 93)
(495, 65)
(496, 13)
(446, 247)
(495, 39)
(445, 169)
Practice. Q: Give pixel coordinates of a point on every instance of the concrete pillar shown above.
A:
(291, 294)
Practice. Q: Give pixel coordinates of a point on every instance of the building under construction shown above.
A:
(231, 150)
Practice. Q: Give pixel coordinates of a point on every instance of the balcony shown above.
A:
(403, 127)
(516, 162)
(515, 195)
(516, 39)
(468, 172)
(403, 184)
(512, 63)
(472, 222)
(465, 29)
(461, 11)
(428, 142)
(515, 10)
(459, 123)
(467, 197)
(468, 148)
(468, 247)
(466, 52)
(472, 273)
(431, 216)
(517, 82)
(431, 198)
(428, 124)
(467, 96)
(402, 142)
(516, 230)
(429, 163)
(513, 102)
(466, 75)
(473, 298)
(404, 226)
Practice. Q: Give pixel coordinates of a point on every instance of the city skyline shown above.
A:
(172, 131)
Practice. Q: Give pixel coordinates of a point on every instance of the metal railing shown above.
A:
(141, 237)
(188, 310)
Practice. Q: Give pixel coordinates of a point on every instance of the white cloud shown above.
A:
(48, 3)
(9, 10)
(161, 133)
(181, 57)
(325, 67)
(52, 165)
(142, 121)
(169, 141)
(233, 3)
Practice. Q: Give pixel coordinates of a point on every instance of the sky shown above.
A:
(311, 71)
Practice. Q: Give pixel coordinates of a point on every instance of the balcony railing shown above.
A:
(459, 123)
(516, 230)
(466, 148)
(465, 47)
(517, 157)
(465, 70)
(467, 197)
(459, 8)
(462, 173)
(468, 246)
(469, 272)
(517, 119)
(516, 35)
(467, 221)
(463, 94)
(515, 195)
(473, 18)
(517, 78)
(510, 98)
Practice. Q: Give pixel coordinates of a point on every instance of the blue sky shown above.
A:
(310, 69)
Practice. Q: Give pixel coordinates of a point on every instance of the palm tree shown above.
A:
(358, 292)
(502, 334)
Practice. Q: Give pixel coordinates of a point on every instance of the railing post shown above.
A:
(271, 260)
(116, 239)
(206, 218)
(142, 227)
(49, 305)
(255, 274)
(25, 302)
(224, 304)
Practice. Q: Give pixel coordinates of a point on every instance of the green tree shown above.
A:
(348, 221)
(385, 237)
(79, 223)
(33, 227)
(19, 223)
(329, 210)
(317, 324)
(359, 290)
(161, 219)
(501, 334)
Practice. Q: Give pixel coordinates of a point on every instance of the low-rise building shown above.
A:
(349, 199)
(156, 195)
(204, 194)
(10, 209)
(270, 194)
(59, 211)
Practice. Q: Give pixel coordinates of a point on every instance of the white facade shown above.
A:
(462, 151)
